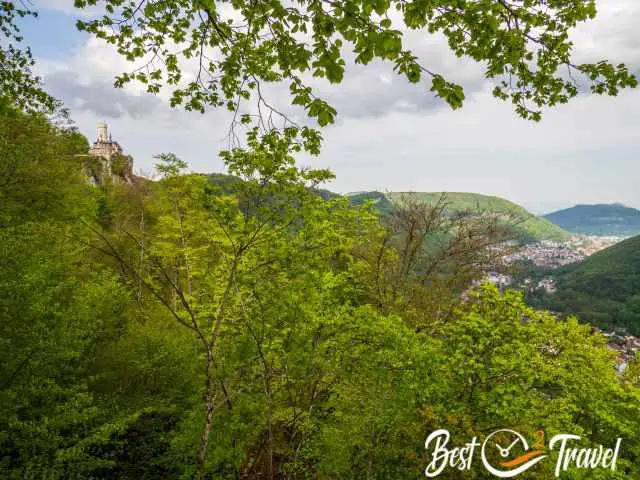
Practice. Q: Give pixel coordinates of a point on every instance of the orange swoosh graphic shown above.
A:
(521, 459)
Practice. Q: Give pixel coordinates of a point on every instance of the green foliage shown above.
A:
(524, 46)
(120, 165)
(39, 172)
(94, 167)
(169, 164)
(18, 86)
(62, 315)
(226, 184)
(56, 305)
(507, 364)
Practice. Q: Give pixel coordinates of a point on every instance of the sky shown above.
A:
(390, 135)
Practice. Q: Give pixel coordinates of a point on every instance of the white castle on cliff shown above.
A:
(112, 160)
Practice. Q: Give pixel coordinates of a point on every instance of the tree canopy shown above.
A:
(217, 53)
(18, 84)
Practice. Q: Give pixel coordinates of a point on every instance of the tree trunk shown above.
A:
(209, 405)
(209, 393)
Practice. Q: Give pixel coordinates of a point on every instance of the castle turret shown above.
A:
(103, 133)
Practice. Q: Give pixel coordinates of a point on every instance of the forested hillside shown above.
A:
(603, 219)
(379, 200)
(527, 226)
(604, 289)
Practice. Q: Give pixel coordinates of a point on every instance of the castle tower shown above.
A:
(103, 134)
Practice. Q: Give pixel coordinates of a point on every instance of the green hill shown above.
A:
(531, 227)
(601, 219)
(604, 289)
(379, 199)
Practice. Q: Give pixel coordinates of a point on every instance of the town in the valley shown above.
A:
(548, 255)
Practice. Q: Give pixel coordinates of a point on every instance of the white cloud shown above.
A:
(613, 35)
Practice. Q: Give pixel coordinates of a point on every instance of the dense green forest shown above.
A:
(604, 289)
(602, 219)
(295, 330)
(250, 325)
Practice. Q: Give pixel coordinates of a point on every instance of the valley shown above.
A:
(185, 296)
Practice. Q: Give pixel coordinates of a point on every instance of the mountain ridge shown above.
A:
(598, 219)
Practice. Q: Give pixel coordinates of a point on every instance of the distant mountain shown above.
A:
(531, 227)
(601, 219)
(604, 289)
